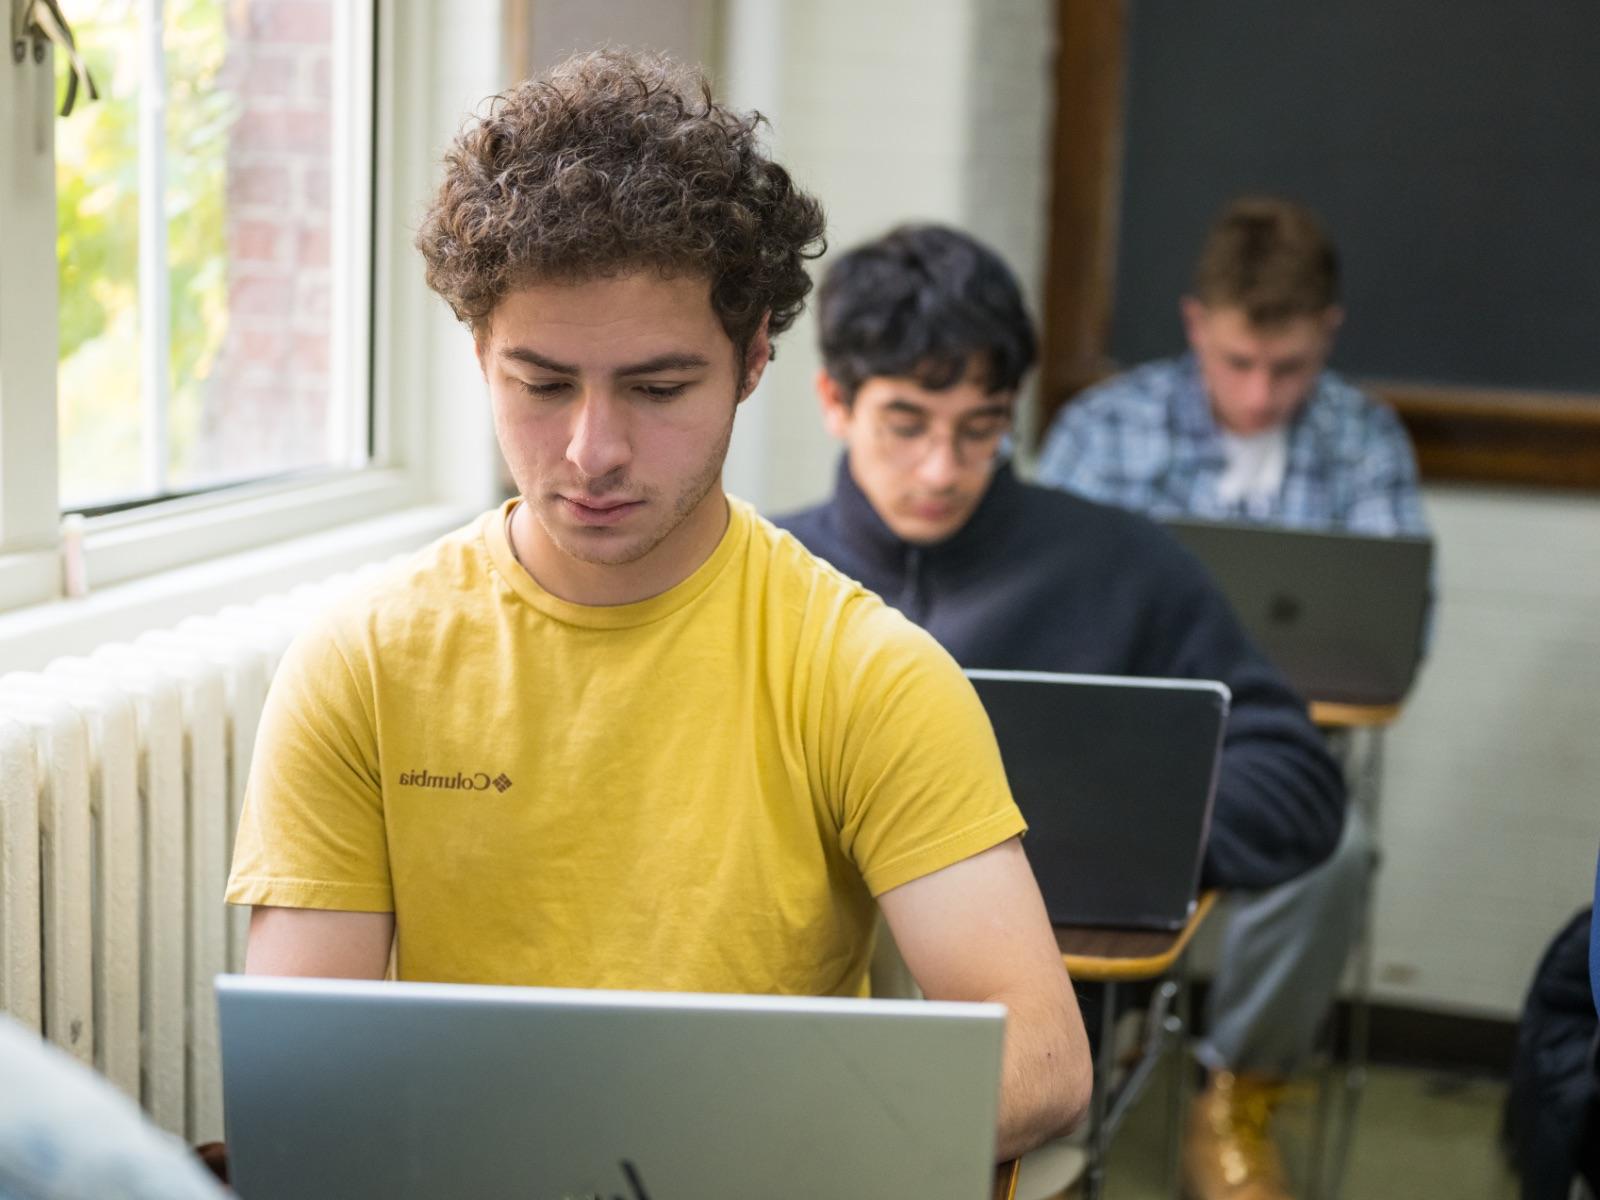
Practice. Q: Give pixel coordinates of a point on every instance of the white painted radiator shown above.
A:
(121, 775)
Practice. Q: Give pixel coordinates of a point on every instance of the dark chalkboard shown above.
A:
(1452, 146)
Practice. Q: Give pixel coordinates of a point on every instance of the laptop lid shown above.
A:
(1115, 776)
(1341, 614)
(361, 1090)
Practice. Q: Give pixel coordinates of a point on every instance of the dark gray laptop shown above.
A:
(1341, 614)
(1115, 776)
(361, 1090)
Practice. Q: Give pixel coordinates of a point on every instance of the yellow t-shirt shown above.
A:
(699, 792)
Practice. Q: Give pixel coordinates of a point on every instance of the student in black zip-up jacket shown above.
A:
(925, 341)
(1040, 580)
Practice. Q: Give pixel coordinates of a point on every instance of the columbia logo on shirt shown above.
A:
(478, 781)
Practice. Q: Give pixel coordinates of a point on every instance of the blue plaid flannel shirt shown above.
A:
(1146, 440)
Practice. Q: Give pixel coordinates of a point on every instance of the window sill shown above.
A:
(120, 547)
(31, 637)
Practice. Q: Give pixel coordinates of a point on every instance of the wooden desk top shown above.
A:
(1119, 955)
(1330, 714)
(1005, 1179)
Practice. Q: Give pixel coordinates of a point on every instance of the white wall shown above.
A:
(889, 111)
(1490, 818)
(681, 28)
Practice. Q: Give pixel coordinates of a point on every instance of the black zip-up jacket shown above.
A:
(1041, 580)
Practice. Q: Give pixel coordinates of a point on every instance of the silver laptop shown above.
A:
(1342, 615)
(1116, 778)
(361, 1090)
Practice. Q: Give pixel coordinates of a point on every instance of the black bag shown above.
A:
(1552, 1119)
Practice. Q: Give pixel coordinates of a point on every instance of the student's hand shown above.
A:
(978, 930)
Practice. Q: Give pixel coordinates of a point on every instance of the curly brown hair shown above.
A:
(613, 162)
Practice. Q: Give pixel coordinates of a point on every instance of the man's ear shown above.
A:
(1332, 319)
(480, 349)
(756, 357)
(835, 405)
(1194, 313)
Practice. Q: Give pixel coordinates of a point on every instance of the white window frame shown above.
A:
(432, 438)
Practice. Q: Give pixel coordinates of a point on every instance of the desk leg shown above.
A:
(1178, 1089)
(1363, 754)
(1355, 1079)
(1316, 1165)
(1105, 1057)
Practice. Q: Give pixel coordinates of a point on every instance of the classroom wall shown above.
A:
(1490, 817)
(684, 29)
(891, 111)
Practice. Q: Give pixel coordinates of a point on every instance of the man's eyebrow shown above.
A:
(672, 361)
(998, 409)
(665, 362)
(905, 407)
(908, 408)
(533, 358)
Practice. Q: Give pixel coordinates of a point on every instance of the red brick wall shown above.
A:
(267, 406)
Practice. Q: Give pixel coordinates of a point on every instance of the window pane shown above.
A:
(97, 249)
(248, 221)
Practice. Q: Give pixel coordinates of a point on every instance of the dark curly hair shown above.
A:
(613, 162)
(924, 302)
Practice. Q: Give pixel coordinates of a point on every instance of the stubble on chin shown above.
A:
(615, 548)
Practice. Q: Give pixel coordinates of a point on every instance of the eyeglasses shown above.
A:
(907, 444)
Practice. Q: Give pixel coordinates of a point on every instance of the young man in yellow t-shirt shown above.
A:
(622, 732)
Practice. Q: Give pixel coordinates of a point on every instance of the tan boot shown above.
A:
(1228, 1152)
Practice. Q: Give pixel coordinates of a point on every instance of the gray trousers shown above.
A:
(1283, 953)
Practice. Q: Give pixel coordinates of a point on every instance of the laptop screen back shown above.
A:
(1115, 777)
(360, 1090)
(1341, 615)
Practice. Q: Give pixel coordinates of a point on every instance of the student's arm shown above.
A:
(318, 942)
(977, 930)
(1385, 497)
(904, 753)
(1078, 450)
(311, 857)
(1113, 442)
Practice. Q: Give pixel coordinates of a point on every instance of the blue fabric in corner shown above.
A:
(1594, 942)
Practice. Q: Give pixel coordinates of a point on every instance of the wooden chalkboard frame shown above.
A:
(1482, 435)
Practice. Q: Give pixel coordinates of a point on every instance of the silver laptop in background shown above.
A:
(1116, 777)
(1342, 615)
(361, 1090)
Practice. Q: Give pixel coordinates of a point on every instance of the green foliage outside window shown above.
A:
(97, 248)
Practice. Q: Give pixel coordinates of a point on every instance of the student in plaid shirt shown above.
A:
(1251, 426)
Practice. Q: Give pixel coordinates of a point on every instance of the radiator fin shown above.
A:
(122, 774)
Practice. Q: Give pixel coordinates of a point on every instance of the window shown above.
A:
(186, 286)
(348, 426)
(198, 241)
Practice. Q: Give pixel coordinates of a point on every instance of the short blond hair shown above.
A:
(1270, 258)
